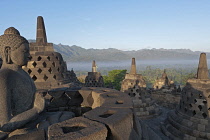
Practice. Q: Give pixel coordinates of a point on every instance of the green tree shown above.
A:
(115, 77)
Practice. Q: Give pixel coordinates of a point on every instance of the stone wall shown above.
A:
(111, 118)
(94, 79)
(166, 99)
(47, 69)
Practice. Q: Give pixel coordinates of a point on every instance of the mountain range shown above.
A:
(76, 54)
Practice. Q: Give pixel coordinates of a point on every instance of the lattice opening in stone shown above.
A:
(133, 94)
(204, 101)
(72, 129)
(48, 58)
(45, 77)
(30, 58)
(54, 76)
(112, 95)
(200, 107)
(34, 64)
(57, 58)
(29, 71)
(39, 58)
(39, 70)
(34, 77)
(204, 115)
(50, 70)
(200, 95)
(53, 63)
(195, 100)
(58, 69)
(194, 113)
(44, 64)
(119, 102)
(107, 114)
(190, 105)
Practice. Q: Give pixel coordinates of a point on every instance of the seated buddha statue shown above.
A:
(18, 102)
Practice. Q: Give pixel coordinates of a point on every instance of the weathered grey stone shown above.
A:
(87, 97)
(46, 67)
(19, 104)
(119, 121)
(115, 100)
(36, 135)
(41, 37)
(66, 115)
(191, 119)
(78, 128)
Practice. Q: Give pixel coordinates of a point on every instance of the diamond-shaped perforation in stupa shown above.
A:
(135, 86)
(47, 66)
(94, 78)
(191, 118)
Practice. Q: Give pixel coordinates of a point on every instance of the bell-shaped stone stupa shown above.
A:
(191, 119)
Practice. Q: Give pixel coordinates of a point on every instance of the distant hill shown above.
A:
(75, 53)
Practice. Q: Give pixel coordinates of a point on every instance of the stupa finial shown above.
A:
(94, 66)
(202, 72)
(133, 66)
(41, 37)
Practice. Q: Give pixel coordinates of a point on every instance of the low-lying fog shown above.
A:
(141, 64)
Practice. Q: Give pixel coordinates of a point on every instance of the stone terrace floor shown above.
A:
(151, 127)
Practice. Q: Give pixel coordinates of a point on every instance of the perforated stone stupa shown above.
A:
(131, 78)
(134, 85)
(46, 67)
(163, 82)
(94, 78)
(191, 119)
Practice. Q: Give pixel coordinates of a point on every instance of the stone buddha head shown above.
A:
(14, 48)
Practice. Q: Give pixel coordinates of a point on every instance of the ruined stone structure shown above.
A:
(166, 93)
(144, 106)
(73, 79)
(94, 78)
(132, 78)
(134, 85)
(72, 75)
(46, 67)
(166, 99)
(191, 119)
(101, 113)
(111, 117)
(163, 82)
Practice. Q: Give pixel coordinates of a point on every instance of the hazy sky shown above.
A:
(121, 24)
